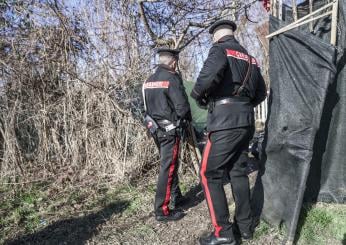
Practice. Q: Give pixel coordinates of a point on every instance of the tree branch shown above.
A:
(184, 32)
(158, 41)
(145, 19)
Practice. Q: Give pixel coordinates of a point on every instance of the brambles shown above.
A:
(67, 113)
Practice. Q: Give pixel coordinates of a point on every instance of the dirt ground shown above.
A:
(144, 229)
(129, 219)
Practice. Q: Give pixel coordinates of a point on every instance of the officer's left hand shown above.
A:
(202, 103)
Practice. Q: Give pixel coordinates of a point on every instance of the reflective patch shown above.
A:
(241, 56)
(156, 84)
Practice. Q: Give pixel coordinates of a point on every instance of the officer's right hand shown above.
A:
(188, 117)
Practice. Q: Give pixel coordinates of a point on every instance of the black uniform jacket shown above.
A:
(222, 74)
(165, 96)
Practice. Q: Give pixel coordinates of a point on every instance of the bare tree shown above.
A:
(70, 101)
(177, 23)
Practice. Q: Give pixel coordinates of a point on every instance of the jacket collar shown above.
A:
(227, 38)
(166, 68)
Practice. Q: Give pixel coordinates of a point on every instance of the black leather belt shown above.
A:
(231, 100)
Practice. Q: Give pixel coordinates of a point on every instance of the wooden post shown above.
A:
(294, 10)
(334, 22)
(280, 10)
(274, 9)
(311, 4)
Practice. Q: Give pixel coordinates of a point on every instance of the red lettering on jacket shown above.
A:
(156, 84)
(241, 56)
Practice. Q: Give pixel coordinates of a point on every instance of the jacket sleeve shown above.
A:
(211, 73)
(177, 95)
(261, 90)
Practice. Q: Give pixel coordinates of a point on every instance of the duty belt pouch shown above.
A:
(150, 124)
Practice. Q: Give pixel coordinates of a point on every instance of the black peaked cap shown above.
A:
(174, 52)
(222, 22)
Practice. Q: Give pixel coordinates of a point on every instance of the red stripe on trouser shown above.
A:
(170, 178)
(206, 188)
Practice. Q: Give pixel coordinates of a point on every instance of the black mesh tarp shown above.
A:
(302, 67)
(328, 170)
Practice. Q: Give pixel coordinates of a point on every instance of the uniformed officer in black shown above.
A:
(231, 85)
(167, 103)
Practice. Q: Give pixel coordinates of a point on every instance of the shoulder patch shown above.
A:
(237, 54)
(156, 84)
(241, 56)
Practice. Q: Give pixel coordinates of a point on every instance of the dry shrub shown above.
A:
(66, 116)
(70, 77)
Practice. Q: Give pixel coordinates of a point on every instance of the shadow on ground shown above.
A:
(72, 231)
(193, 197)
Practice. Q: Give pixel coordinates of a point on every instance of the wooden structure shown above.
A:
(312, 16)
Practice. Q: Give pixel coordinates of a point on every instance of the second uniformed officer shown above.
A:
(230, 84)
(167, 108)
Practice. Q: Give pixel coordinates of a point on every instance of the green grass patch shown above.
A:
(322, 224)
(319, 224)
(30, 209)
(184, 187)
(20, 210)
(262, 230)
(136, 198)
(151, 188)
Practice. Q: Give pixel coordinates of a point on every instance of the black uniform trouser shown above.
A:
(167, 183)
(226, 151)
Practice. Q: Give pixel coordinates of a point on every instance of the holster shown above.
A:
(150, 124)
(152, 128)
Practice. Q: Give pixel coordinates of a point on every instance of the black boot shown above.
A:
(245, 235)
(213, 240)
(241, 234)
(177, 200)
(173, 215)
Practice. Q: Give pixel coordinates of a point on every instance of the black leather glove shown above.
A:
(243, 92)
(202, 103)
(183, 124)
(182, 128)
(188, 116)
